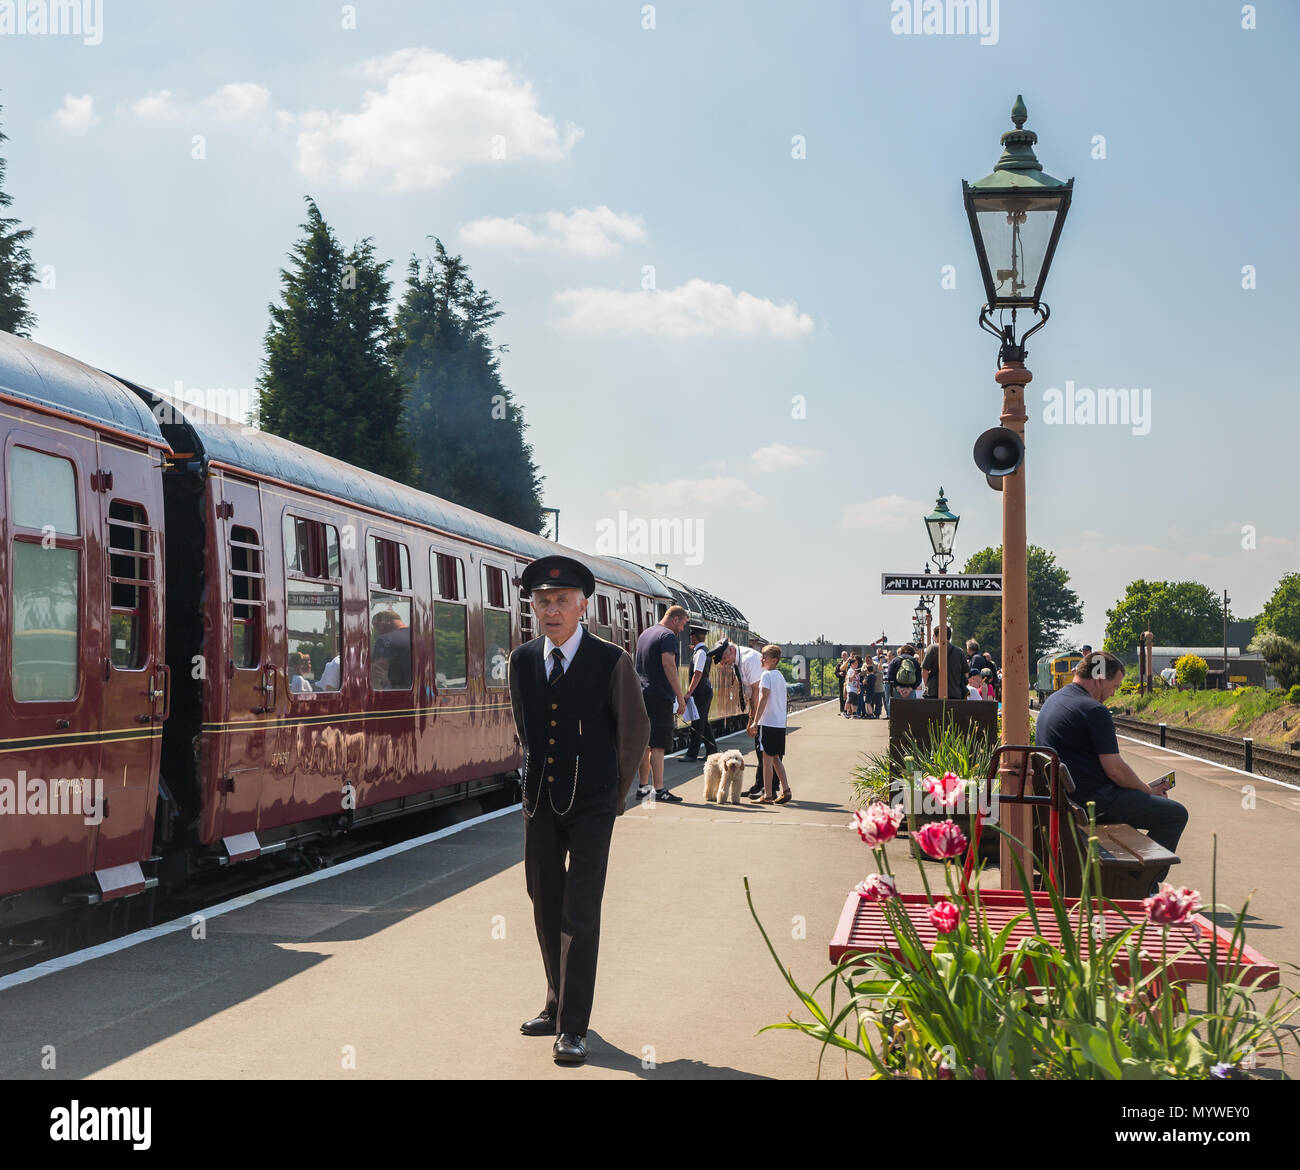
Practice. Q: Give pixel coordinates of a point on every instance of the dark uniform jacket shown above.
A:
(584, 737)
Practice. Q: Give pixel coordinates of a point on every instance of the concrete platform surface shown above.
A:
(423, 964)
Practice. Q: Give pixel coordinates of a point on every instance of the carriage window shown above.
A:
(46, 598)
(450, 573)
(604, 623)
(496, 627)
(526, 632)
(450, 659)
(450, 629)
(130, 579)
(388, 566)
(247, 590)
(313, 627)
(46, 606)
(43, 492)
(311, 548)
(313, 612)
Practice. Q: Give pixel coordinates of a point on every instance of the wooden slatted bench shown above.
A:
(1129, 859)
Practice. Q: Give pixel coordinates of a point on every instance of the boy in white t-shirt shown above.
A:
(768, 721)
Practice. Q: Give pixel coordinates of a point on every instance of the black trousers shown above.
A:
(1163, 819)
(701, 732)
(566, 903)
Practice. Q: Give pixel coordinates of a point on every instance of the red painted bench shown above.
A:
(863, 929)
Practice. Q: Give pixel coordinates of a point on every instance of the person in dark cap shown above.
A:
(583, 728)
(701, 690)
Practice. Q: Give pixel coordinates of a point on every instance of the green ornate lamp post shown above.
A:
(1016, 215)
(941, 524)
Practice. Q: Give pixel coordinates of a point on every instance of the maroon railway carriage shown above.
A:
(83, 682)
(330, 645)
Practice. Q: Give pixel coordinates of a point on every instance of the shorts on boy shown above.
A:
(772, 741)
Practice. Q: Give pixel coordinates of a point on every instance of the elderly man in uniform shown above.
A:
(583, 727)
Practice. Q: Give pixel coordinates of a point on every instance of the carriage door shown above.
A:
(50, 695)
(137, 686)
(241, 751)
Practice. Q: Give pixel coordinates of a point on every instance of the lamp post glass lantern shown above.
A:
(1016, 215)
(942, 527)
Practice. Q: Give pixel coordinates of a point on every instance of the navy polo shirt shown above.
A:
(1080, 729)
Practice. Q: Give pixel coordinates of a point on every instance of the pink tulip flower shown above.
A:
(944, 915)
(942, 840)
(946, 792)
(1171, 906)
(878, 887)
(878, 823)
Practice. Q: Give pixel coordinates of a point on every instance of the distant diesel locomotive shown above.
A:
(216, 644)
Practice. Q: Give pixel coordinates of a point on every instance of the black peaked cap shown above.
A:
(558, 573)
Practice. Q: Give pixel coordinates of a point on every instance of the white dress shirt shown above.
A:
(568, 649)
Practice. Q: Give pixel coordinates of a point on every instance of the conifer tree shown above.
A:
(466, 430)
(329, 380)
(17, 272)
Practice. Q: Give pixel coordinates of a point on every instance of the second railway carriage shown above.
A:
(248, 643)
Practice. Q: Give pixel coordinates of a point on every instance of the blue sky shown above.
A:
(627, 148)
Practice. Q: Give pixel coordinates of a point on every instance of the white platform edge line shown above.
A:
(100, 950)
(1212, 763)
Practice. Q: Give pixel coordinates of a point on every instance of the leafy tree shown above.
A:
(1190, 671)
(467, 431)
(1282, 611)
(1053, 605)
(17, 272)
(1180, 613)
(1281, 655)
(329, 380)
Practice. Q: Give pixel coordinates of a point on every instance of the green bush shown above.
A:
(1293, 695)
(1190, 671)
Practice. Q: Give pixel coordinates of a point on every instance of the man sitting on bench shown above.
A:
(1082, 732)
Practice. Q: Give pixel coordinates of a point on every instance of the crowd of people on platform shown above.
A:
(763, 697)
(867, 685)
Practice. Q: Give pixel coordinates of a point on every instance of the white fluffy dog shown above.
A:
(723, 772)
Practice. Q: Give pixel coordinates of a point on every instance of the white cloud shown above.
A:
(686, 497)
(77, 114)
(433, 117)
(240, 100)
(157, 104)
(779, 457)
(587, 231)
(243, 99)
(698, 308)
(885, 514)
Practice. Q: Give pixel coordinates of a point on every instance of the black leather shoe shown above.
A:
(542, 1025)
(570, 1048)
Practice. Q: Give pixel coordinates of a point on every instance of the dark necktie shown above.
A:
(557, 666)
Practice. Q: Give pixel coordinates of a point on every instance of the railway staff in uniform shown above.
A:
(583, 727)
(701, 690)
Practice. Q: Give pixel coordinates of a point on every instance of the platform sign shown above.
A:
(949, 584)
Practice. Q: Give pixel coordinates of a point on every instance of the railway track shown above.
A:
(1221, 749)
